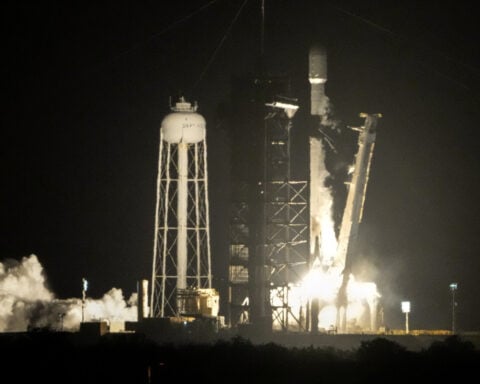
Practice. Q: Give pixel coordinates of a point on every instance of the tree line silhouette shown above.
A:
(133, 358)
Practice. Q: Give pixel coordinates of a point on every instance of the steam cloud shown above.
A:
(326, 117)
(26, 302)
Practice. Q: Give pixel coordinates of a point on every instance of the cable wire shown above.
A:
(212, 58)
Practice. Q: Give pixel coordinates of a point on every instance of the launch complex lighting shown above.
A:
(290, 109)
(406, 310)
(453, 288)
(84, 292)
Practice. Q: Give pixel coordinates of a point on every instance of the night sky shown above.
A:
(88, 84)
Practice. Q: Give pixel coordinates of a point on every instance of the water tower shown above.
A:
(181, 271)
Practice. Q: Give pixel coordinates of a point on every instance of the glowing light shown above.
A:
(328, 247)
(323, 285)
(406, 310)
(317, 80)
(327, 317)
(358, 291)
(320, 285)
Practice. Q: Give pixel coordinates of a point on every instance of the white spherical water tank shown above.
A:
(183, 124)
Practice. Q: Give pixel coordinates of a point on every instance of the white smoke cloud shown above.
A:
(326, 277)
(27, 303)
(321, 205)
(327, 118)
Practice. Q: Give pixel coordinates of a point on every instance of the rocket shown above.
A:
(317, 76)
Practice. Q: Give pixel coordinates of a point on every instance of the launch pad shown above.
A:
(287, 269)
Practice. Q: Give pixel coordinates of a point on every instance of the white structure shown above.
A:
(357, 189)
(349, 306)
(181, 253)
(352, 215)
(317, 77)
(406, 310)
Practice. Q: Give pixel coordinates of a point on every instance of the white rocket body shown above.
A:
(317, 76)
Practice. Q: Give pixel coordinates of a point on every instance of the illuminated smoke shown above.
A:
(26, 302)
(321, 206)
(326, 116)
(322, 283)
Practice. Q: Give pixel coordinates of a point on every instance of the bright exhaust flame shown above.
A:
(323, 286)
(323, 281)
(320, 285)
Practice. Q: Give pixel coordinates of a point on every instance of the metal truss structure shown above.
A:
(278, 241)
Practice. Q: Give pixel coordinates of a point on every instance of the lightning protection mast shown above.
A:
(181, 253)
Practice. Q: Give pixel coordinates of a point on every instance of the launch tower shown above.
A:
(269, 218)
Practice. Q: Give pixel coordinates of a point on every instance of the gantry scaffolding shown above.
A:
(269, 217)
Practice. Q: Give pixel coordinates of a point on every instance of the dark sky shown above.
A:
(87, 85)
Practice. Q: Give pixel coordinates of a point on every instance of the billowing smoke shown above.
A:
(326, 117)
(323, 282)
(321, 205)
(26, 303)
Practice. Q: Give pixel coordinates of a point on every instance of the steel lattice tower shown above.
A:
(181, 252)
(269, 218)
